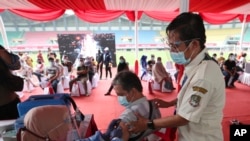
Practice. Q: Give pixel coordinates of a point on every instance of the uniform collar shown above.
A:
(197, 60)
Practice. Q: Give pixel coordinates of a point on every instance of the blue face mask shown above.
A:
(123, 101)
(179, 58)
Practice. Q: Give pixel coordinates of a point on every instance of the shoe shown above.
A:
(107, 94)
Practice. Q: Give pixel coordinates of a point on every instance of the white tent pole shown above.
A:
(242, 31)
(136, 35)
(184, 6)
(4, 35)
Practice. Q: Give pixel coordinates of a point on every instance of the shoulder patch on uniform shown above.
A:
(195, 100)
(200, 89)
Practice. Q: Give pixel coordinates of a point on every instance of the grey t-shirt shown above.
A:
(140, 106)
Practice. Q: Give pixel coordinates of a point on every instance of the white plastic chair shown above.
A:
(78, 89)
(170, 68)
(246, 75)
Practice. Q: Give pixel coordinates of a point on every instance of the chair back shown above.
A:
(247, 67)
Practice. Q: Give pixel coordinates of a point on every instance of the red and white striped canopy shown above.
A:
(213, 11)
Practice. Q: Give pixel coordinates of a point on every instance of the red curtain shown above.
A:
(215, 6)
(131, 15)
(241, 17)
(39, 15)
(70, 4)
(97, 16)
(162, 16)
(213, 18)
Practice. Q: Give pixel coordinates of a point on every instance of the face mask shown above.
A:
(65, 61)
(231, 58)
(51, 64)
(121, 61)
(123, 101)
(158, 61)
(179, 57)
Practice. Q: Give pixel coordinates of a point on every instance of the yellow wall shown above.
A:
(219, 35)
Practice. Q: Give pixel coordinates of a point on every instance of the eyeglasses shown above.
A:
(176, 44)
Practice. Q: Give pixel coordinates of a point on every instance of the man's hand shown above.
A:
(162, 104)
(125, 131)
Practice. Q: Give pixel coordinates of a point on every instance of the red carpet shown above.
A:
(106, 108)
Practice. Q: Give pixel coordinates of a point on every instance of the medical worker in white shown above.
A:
(200, 102)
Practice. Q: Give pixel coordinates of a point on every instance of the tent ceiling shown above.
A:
(92, 10)
(211, 6)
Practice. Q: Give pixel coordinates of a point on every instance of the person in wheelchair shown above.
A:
(82, 75)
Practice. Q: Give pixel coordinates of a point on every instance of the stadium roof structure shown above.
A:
(99, 11)
(96, 11)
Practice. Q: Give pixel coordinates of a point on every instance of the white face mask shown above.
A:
(51, 64)
(231, 58)
(65, 60)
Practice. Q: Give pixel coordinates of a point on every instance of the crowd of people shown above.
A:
(232, 67)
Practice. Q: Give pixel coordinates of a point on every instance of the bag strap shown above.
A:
(149, 117)
(19, 137)
(69, 98)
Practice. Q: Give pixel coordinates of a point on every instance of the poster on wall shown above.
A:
(106, 40)
(87, 45)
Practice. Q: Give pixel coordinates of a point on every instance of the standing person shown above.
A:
(123, 65)
(9, 84)
(143, 65)
(200, 102)
(107, 60)
(99, 59)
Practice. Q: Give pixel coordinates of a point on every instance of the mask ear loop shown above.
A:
(191, 53)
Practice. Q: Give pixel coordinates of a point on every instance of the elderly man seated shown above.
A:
(162, 77)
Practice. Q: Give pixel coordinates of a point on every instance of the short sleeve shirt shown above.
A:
(201, 101)
(140, 106)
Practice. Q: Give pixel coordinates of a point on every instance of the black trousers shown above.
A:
(108, 70)
(100, 66)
